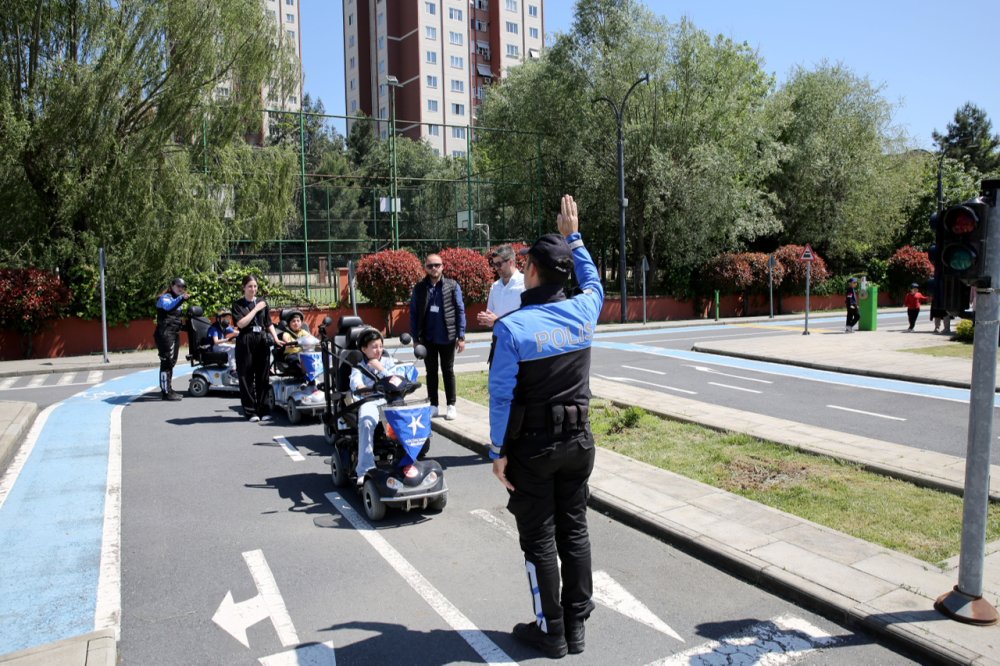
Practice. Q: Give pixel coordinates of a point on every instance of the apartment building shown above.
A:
(439, 57)
(288, 35)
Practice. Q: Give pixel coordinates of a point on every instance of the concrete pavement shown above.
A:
(850, 579)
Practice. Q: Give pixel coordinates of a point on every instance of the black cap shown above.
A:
(179, 282)
(914, 286)
(552, 251)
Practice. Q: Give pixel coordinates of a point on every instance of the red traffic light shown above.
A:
(961, 220)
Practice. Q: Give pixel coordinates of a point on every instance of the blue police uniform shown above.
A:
(539, 399)
(169, 322)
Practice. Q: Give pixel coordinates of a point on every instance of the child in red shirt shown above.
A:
(912, 302)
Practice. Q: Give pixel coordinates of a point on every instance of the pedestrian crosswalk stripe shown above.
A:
(37, 380)
(94, 376)
(7, 382)
(66, 378)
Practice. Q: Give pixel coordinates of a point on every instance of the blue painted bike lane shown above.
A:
(52, 521)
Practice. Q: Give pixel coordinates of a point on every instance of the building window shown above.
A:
(533, 33)
(350, 19)
(290, 3)
(381, 18)
(455, 38)
(455, 13)
(431, 7)
(352, 62)
(511, 27)
(434, 130)
(458, 132)
(350, 41)
(291, 34)
(480, 26)
(513, 51)
(458, 109)
(289, 18)
(432, 105)
(293, 99)
(458, 153)
(512, 5)
(381, 66)
(223, 92)
(457, 62)
(431, 32)
(432, 81)
(354, 106)
(432, 57)
(457, 85)
(381, 43)
(353, 84)
(271, 15)
(482, 4)
(533, 11)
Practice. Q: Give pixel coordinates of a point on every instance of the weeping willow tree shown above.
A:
(125, 125)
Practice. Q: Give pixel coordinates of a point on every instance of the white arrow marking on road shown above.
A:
(236, 618)
(780, 641)
(860, 411)
(655, 372)
(639, 381)
(289, 448)
(735, 388)
(476, 639)
(701, 368)
(313, 654)
(606, 590)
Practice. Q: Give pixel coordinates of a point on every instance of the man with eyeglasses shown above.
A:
(505, 294)
(437, 321)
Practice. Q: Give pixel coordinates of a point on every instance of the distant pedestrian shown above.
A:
(940, 316)
(437, 321)
(851, 300)
(253, 350)
(505, 294)
(167, 336)
(912, 302)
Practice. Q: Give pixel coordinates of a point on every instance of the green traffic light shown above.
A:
(959, 257)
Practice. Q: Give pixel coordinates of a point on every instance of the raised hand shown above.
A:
(567, 220)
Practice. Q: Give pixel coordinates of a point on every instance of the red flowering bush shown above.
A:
(471, 270)
(794, 280)
(522, 260)
(28, 298)
(386, 278)
(729, 272)
(758, 271)
(906, 266)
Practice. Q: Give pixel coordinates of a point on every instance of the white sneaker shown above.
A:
(266, 417)
(254, 419)
(847, 329)
(450, 414)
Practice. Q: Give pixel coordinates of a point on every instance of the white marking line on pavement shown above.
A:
(65, 378)
(271, 597)
(735, 388)
(639, 381)
(313, 654)
(9, 477)
(607, 591)
(779, 641)
(701, 368)
(655, 372)
(861, 411)
(36, 381)
(7, 382)
(20, 388)
(108, 610)
(289, 448)
(476, 639)
(94, 376)
(704, 338)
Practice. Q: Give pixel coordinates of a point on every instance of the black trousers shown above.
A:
(853, 316)
(446, 353)
(912, 315)
(549, 504)
(253, 364)
(168, 344)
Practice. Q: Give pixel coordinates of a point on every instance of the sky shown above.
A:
(926, 55)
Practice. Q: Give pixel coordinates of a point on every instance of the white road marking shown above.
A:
(607, 591)
(9, 477)
(235, 618)
(735, 388)
(94, 376)
(703, 338)
(476, 639)
(7, 382)
(861, 411)
(65, 378)
(108, 610)
(655, 372)
(313, 654)
(21, 388)
(639, 381)
(289, 448)
(782, 640)
(701, 368)
(36, 381)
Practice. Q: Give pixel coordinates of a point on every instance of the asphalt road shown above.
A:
(217, 516)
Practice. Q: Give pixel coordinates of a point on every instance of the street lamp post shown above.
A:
(487, 227)
(393, 83)
(619, 111)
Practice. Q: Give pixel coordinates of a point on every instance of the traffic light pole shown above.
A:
(965, 602)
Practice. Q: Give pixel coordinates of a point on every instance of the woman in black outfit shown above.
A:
(253, 350)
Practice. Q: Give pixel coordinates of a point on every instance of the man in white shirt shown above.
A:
(505, 294)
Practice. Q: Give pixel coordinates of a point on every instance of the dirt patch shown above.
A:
(757, 474)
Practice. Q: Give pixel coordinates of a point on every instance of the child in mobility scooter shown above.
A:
(211, 367)
(375, 433)
(297, 365)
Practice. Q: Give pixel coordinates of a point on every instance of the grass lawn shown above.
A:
(951, 350)
(924, 523)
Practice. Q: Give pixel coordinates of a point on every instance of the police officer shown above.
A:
(168, 332)
(541, 444)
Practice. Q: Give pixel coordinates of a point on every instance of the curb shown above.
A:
(15, 431)
(97, 648)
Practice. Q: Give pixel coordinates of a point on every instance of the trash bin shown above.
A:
(868, 308)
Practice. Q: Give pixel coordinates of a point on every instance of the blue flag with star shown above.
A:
(411, 425)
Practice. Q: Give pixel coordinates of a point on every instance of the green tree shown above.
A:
(122, 125)
(970, 139)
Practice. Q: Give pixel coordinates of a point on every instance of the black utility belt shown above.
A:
(552, 420)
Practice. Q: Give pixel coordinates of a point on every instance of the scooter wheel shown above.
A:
(438, 503)
(198, 388)
(294, 415)
(338, 471)
(269, 399)
(329, 433)
(374, 506)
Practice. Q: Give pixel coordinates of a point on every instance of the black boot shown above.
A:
(173, 397)
(574, 636)
(552, 646)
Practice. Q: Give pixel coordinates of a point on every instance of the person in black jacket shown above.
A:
(253, 350)
(437, 321)
(851, 301)
(169, 321)
(540, 439)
